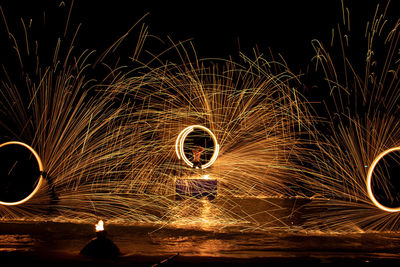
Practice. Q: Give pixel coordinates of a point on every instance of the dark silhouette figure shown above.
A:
(101, 247)
(52, 192)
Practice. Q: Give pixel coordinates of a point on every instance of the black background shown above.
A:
(218, 29)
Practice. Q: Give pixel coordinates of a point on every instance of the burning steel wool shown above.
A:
(109, 146)
(214, 133)
(361, 132)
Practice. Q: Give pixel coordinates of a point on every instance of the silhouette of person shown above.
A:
(197, 151)
(53, 195)
(101, 247)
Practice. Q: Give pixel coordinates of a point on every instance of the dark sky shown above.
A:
(217, 28)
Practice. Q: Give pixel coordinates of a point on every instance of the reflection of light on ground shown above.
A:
(210, 247)
(10, 243)
(199, 213)
(195, 247)
(205, 213)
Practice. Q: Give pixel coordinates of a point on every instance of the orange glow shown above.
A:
(181, 140)
(100, 226)
(369, 178)
(40, 164)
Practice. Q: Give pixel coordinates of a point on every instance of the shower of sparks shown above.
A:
(362, 122)
(252, 111)
(108, 144)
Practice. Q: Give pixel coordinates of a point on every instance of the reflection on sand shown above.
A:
(16, 242)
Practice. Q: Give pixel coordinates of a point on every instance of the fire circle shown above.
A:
(369, 178)
(179, 145)
(40, 165)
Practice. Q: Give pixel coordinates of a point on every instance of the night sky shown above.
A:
(217, 29)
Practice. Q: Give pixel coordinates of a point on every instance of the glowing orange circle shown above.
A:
(369, 178)
(181, 139)
(39, 161)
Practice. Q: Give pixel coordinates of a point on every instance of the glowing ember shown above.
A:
(100, 226)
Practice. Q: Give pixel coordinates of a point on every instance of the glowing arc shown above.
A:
(179, 145)
(40, 164)
(369, 178)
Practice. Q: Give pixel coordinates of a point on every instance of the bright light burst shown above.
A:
(255, 115)
(179, 145)
(74, 125)
(108, 145)
(361, 107)
(99, 226)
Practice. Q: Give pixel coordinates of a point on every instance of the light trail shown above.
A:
(179, 145)
(40, 178)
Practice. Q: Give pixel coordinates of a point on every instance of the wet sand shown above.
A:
(55, 244)
(208, 242)
(309, 258)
